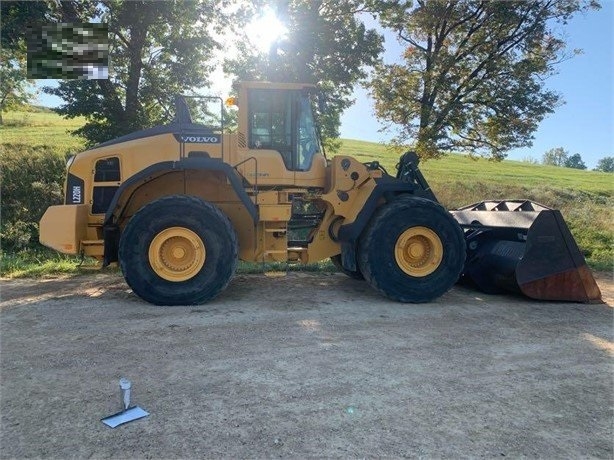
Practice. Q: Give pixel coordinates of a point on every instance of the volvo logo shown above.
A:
(200, 139)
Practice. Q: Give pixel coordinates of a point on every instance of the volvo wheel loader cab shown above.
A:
(178, 205)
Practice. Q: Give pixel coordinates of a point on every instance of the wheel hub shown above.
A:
(177, 254)
(418, 251)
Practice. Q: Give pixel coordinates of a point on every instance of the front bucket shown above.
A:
(522, 246)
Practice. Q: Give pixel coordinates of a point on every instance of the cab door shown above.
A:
(281, 140)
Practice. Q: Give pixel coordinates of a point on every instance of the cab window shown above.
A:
(308, 140)
(271, 122)
(283, 121)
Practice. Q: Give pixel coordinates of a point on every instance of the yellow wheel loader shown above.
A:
(178, 205)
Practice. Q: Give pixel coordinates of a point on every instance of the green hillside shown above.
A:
(468, 171)
(586, 198)
(41, 127)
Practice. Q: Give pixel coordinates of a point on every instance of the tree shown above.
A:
(555, 157)
(17, 16)
(473, 72)
(575, 162)
(15, 88)
(326, 44)
(530, 160)
(157, 49)
(605, 164)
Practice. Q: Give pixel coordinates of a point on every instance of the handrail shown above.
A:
(255, 185)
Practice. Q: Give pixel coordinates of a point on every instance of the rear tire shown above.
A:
(412, 250)
(178, 250)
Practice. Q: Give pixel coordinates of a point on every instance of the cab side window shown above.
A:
(105, 170)
(308, 140)
(270, 122)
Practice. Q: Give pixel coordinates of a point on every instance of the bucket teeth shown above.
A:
(545, 263)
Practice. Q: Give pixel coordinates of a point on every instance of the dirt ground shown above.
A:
(305, 365)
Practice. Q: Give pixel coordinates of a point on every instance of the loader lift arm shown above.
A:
(409, 181)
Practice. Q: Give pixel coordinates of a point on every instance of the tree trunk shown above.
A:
(137, 40)
(140, 23)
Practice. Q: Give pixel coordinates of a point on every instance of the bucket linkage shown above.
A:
(523, 246)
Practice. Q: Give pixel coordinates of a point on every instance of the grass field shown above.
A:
(41, 128)
(586, 198)
(469, 171)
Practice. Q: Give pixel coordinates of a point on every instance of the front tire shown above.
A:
(412, 250)
(336, 260)
(178, 250)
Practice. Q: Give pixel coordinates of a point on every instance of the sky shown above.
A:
(584, 124)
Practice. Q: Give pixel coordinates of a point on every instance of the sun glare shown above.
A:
(265, 29)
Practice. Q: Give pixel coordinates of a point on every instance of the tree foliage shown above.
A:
(575, 161)
(15, 88)
(17, 16)
(157, 49)
(555, 157)
(473, 72)
(326, 44)
(605, 164)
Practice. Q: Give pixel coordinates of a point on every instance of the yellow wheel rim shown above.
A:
(177, 254)
(418, 251)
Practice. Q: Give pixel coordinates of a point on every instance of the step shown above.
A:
(92, 242)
